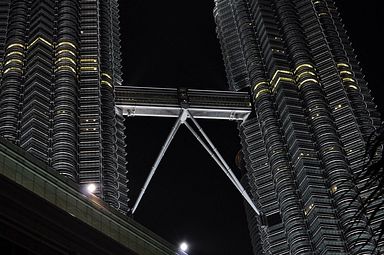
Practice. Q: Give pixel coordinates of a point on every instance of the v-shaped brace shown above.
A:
(208, 146)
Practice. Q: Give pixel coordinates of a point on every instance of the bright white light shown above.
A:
(91, 188)
(184, 246)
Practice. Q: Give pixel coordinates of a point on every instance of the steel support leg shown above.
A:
(220, 161)
(176, 126)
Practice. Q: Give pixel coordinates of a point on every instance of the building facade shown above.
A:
(59, 63)
(305, 144)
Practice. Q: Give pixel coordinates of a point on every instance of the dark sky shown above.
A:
(173, 44)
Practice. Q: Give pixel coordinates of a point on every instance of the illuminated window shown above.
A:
(307, 80)
(16, 45)
(40, 39)
(88, 60)
(106, 83)
(67, 59)
(15, 53)
(13, 60)
(65, 67)
(333, 188)
(12, 69)
(65, 51)
(66, 43)
(263, 91)
(309, 208)
(106, 75)
(88, 68)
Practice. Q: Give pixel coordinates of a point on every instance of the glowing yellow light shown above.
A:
(342, 65)
(65, 67)
(346, 72)
(65, 51)
(279, 72)
(65, 58)
(274, 85)
(106, 75)
(106, 83)
(16, 45)
(88, 68)
(65, 43)
(12, 69)
(302, 66)
(83, 60)
(304, 73)
(40, 39)
(14, 53)
(13, 60)
(349, 79)
(259, 84)
(307, 80)
(261, 92)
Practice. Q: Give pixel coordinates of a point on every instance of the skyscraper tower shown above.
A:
(305, 144)
(59, 64)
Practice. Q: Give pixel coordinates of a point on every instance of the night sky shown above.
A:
(173, 44)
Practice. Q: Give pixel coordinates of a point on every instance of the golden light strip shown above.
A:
(275, 84)
(65, 58)
(65, 51)
(106, 83)
(261, 92)
(307, 80)
(87, 60)
(346, 72)
(259, 84)
(15, 45)
(40, 39)
(349, 79)
(65, 67)
(298, 76)
(13, 60)
(14, 53)
(65, 43)
(342, 65)
(303, 65)
(106, 75)
(12, 69)
(88, 68)
(280, 71)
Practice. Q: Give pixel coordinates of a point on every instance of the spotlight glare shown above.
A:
(91, 188)
(184, 246)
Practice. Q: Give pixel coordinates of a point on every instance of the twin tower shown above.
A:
(304, 146)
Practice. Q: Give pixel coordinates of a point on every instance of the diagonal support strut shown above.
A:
(179, 121)
(215, 154)
(210, 148)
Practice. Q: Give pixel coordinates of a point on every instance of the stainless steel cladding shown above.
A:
(60, 62)
(314, 115)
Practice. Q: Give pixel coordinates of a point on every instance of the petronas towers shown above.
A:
(303, 146)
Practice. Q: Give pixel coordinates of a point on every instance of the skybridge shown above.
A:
(184, 104)
(168, 102)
